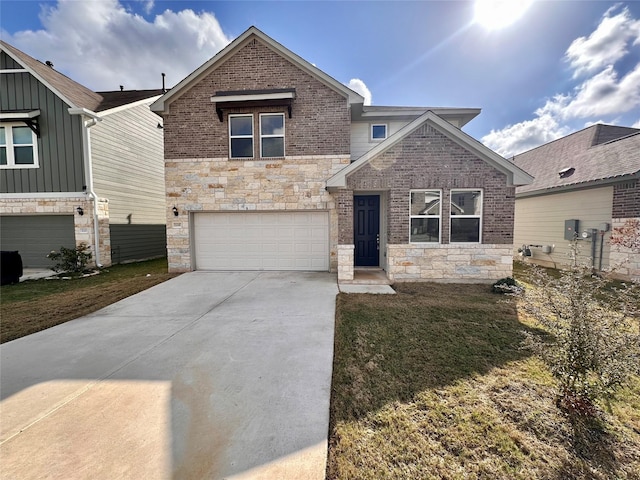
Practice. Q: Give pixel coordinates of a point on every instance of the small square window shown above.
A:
(378, 132)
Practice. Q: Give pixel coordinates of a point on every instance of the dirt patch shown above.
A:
(27, 317)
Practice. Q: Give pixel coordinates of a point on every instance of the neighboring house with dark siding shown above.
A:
(77, 166)
(590, 179)
(271, 164)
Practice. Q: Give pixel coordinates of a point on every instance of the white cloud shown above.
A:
(524, 136)
(606, 45)
(637, 124)
(360, 87)
(604, 94)
(102, 45)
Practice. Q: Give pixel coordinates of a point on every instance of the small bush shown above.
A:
(71, 260)
(506, 285)
(594, 344)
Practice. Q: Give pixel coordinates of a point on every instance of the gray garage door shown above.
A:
(35, 236)
(262, 241)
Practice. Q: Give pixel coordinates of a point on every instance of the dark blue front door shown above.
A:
(366, 230)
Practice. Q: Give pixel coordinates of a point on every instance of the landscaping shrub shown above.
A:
(593, 346)
(71, 260)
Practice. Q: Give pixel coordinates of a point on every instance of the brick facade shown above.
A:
(428, 159)
(626, 199)
(320, 117)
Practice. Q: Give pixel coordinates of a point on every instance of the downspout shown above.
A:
(91, 120)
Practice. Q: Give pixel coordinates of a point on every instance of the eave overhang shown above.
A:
(29, 117)
(253, 98)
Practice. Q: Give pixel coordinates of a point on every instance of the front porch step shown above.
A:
(368, 276)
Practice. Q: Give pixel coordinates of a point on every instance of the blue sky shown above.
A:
(561, 66)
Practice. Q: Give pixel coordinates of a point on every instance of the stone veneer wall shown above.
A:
(84, 231)
(220, 184)
(449, 263)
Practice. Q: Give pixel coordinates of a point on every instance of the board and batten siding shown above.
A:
(128, 165)
(61, 167)
(540, 220)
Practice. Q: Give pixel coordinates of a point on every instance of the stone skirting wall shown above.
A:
(449, 263)
(220, 184)
(624, 262)
(84, 231)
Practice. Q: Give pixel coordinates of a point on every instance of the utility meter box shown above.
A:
(571, 229)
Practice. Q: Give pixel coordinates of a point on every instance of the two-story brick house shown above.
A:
(271, 164)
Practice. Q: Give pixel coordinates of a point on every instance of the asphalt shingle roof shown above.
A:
(597, 153)
(79, 95)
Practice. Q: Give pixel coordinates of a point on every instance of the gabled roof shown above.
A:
(119, 98)
(161, 105)
(71, 92)
(515, 175)
(596, 155)
(74, 94)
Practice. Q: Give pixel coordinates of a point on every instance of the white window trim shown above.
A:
(480, 215)
(253, 153)
(439, 216)
(386, 132)
(9, 145)
(273, 136)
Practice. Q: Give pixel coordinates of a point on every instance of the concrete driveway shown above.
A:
(206, 376)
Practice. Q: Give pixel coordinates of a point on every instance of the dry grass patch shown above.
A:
(432, 383)
(36, 305)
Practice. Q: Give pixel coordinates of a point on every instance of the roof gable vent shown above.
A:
(566, 172)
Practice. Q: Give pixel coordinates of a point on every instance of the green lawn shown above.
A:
(433, 383)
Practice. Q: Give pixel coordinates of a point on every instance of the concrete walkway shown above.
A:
(206, 376)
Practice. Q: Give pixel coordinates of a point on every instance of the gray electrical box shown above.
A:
(571, 229)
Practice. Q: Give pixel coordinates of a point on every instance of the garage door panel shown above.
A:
(34, 236)
(261, 241)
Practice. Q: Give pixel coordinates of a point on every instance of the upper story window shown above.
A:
(379, 131)
(466, 215)
(18, 146)
(271, 135)
(425, 212)
(241, 136)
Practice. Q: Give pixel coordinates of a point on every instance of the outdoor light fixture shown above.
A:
(175, 211)
(80, 211)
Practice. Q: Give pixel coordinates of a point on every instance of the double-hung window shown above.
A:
(241, 136)
(425, 212)
(18, 146)
(271, 135)
(466, 215)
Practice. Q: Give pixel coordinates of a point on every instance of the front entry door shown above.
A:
(366, 230)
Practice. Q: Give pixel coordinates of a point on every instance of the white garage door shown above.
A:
(262, 241)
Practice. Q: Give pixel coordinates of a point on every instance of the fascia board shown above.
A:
(603, 182)
(19, 115)
(86, 112)
(248, 98)
(160, 106)
(40, 79)
(515, 175)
